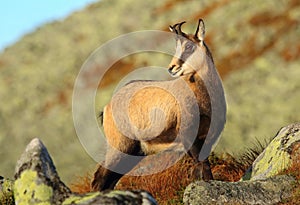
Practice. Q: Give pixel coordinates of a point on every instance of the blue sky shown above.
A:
(18, 17)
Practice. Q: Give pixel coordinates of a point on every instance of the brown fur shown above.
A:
(145, 117)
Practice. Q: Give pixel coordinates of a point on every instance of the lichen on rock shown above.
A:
(77, 199)
(267, 191)
(36, 179)
(277, 156)
(29, 189)
(116, 197)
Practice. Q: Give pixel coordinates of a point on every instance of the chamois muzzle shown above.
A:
(175, 71)
(171, 68)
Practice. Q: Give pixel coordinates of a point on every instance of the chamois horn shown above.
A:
(179, 27)
(175, 29)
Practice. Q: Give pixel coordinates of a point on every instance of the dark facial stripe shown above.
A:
(189, 49)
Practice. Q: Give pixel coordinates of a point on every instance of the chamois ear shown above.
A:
(200, 32)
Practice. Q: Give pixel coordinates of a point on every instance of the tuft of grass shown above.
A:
(81, 184)
(167, 187)
(226, 167)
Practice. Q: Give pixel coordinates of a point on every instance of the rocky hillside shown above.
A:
(255, 45)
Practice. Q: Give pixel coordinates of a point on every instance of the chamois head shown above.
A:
(190, 50)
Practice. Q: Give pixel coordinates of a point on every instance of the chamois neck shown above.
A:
(193, 78)
(203, 69)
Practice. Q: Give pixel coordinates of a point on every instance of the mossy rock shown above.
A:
(278, 155)
(116, 197)
(30, 189)
(268, 191)
(36, 178)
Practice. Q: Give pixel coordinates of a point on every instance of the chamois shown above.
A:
(147, 117)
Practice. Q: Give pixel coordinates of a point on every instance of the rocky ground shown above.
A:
(266, 182)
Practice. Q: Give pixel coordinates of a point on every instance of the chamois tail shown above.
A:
(100, 116)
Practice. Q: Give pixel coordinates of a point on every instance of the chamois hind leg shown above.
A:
(101, 178)
(117, 163)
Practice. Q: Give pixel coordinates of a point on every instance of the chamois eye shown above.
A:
(189, 46)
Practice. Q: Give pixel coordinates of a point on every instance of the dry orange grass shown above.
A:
(81, 184)
(167, 187)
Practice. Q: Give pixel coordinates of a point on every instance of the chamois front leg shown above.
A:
(206, 170)
(202, 169)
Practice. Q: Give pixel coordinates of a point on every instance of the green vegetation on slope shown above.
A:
(258, 40)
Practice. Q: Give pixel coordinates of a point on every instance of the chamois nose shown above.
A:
(171, 68)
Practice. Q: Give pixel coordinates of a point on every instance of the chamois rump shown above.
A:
(147, 117)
